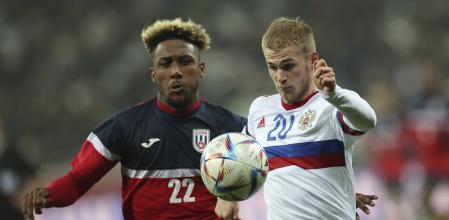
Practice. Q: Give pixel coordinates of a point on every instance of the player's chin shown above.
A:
(287, 96)
(179, 100)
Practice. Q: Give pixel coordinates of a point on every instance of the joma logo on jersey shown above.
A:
(306, 119)
(200, 138)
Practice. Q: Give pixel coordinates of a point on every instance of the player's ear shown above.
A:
(202, 67)
(314, 57)
(152, 75)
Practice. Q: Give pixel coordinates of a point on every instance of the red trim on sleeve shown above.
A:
(88, 167)
(346, 128)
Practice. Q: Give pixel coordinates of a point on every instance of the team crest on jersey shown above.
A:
(200, 138)
(306, 119)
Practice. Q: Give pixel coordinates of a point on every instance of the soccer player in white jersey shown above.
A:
(307, 129)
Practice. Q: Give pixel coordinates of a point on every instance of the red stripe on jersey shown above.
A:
(88, 167)
(167, 198)
(309, 162)
(346, 128)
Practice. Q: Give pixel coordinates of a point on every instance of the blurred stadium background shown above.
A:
(66, 65)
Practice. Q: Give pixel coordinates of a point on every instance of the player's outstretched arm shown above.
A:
(227, 210)
(88, 167)
(324, 76)
(355, 110)
(363, 201)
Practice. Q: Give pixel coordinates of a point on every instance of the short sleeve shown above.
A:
(107, 138)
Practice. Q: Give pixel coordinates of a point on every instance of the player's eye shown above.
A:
(185, 60)
(164, 63)
(288, 66)
(272, 68)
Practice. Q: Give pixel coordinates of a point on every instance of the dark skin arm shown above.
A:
(363, 201)
(35, 201)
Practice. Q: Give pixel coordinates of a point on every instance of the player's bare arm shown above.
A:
(35, 201)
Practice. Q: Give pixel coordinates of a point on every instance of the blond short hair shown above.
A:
(162, 30)
(284, 32)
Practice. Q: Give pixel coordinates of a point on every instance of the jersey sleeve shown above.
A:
(353, 114)
(238, 123)
(249, 127)
(108, 139)
(98, 155)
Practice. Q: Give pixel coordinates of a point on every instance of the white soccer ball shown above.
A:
(233, 166)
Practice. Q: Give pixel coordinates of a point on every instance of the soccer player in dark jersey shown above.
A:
(158, 142)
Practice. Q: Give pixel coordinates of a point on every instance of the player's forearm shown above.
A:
(89, 166)
(357, 112)
(67, 189)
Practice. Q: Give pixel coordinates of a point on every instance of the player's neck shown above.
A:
(300, 101)
(178, 112)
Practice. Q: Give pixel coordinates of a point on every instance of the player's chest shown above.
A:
(272, 127)
(171, 137)
(167, 140)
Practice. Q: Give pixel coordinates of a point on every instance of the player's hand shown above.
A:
(363, 201)
(35, 201)
(323, 76)
(227, 210)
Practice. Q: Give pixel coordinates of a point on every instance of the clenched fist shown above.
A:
(323, 76)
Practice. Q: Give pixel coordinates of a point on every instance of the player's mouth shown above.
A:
(285, 88)
(176, 87)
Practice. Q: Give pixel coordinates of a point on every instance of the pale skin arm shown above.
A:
(324, 80)
(358, 113)
(324, 76)
(227, 210)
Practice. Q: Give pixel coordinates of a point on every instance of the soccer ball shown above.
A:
(233, 166)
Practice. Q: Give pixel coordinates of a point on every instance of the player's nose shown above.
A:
(175, 71)
(281, 77)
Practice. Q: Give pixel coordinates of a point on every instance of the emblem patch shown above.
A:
(200, 138)
(306, 120)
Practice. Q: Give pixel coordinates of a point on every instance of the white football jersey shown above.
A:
(309, 147)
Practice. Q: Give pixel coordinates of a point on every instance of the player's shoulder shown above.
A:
(218, 110)
(129, 115)
(265, 101)
(222, 115)
(135, 110)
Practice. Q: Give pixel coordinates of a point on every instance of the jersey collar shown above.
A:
(297, 104)
(178, 113)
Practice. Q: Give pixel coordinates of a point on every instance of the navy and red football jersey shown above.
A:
(159, 151)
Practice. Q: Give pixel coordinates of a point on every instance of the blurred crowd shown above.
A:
(66, 65)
